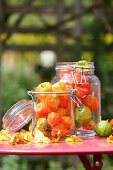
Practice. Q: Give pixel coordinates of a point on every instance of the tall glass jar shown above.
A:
(87, 85)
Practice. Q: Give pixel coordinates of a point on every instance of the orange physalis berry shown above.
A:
(66, 121)
(91, 101)
(43, 87)
(53, 118)
(52, 102)
(55, 102)
(88, 87)
(90, 125)
(59, 87)
(60, 127)
(110, 139)
(83, 89)
(80, 91)
(42, 109)
(63, 111)
(111, 122)
(65, 101)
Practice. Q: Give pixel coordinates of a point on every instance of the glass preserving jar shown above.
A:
(87, 86)
(53, 112)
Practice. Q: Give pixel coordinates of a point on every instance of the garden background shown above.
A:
(34, 35)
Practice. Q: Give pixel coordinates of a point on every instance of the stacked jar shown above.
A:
(87, 107)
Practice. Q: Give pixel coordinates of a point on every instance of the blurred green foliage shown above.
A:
(28, 39)
(16, 82)
(13, 162)
(54, 165)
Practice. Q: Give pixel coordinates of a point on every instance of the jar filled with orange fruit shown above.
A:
(87, 108)
(53, 109)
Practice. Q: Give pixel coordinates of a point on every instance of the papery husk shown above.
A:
(74, 138)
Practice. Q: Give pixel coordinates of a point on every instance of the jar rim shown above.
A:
(34, 92)
(72, 65)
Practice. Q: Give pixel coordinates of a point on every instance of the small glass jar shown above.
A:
(87, 84)
(53, 112)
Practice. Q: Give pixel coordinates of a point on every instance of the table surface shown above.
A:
(94, 145)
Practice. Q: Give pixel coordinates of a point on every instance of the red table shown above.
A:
(96, 146)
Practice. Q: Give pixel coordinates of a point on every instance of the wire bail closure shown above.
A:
(75, 99)
(82, 75)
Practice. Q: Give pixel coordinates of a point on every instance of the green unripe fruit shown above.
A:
(82, 63)
(82, 116)
(103, 128)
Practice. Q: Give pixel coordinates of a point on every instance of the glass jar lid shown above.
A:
(18, 115)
